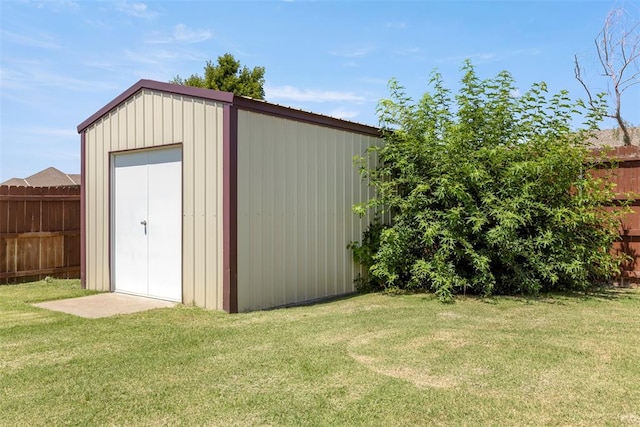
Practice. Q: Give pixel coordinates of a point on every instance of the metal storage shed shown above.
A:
(219, 201)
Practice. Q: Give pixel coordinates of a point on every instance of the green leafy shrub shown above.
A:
(488, 192)
(363, 253)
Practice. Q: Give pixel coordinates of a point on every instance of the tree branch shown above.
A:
(618, 50)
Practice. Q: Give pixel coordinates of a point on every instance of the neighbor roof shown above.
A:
(613, 137)
(49, 177)
(241, 102)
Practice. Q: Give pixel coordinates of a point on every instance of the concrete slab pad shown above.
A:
(104, 305)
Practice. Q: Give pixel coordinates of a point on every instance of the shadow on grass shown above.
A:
(600, 293)
(318, 301)
(597, 293)
(605, 293)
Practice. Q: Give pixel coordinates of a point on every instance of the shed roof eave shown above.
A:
(265, 107)
(240, 102)
(196, 92)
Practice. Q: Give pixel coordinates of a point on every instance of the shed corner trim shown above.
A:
(230, 209)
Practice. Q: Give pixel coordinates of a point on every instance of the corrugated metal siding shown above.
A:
(153, 119)
(296, 187)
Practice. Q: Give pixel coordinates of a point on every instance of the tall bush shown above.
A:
(488, 191)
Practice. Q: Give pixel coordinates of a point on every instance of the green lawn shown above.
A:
(367, 360)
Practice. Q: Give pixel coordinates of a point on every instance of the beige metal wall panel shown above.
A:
(139, 122)
(152, 119)
(199, 196)
(296, 187)
(95, 264)
(213, 134)
(187, 203)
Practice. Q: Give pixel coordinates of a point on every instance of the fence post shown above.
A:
(39, 233)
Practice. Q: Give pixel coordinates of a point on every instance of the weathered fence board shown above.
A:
(39, 233)
(627, 180)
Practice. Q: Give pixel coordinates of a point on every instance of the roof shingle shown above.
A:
(49, 177)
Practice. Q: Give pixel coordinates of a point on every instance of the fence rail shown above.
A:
(627, 179)
(39, 233)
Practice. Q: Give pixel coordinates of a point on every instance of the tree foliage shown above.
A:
(227, 75)
(488, 191)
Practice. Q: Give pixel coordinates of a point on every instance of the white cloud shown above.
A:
(59, 154)
(12, 79)
(343, 113)
(53, 132)
(33, 78)
(475, 57)
(491, 56)
(409, 51)
(53, 4)
(532, 52)
(101, 63)
(182, 34)
(396, 25)
(351, 64)
(374, 80)
(161, 56)
(291, 93)
(357, 52)
(98, 23)
(138, 10)
(40, 39)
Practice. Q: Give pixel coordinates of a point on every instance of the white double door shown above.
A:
(147, 223)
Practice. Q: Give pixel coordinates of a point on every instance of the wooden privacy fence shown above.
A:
(627, 179)
(39, 233)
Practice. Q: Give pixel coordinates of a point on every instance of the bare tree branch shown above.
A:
(618, 49)
(577, 70)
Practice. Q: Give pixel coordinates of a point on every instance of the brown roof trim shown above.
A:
(264, 107)
(241, 102)
(195, 92)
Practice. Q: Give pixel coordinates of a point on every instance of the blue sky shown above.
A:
(60, 61)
